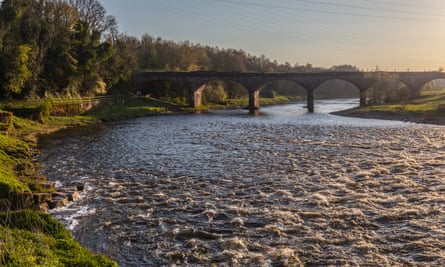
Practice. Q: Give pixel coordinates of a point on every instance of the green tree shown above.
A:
(122, 62)
(16, 73)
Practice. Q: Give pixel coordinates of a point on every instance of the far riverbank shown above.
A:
(396, 116)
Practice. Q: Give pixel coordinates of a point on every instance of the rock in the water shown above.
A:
(58, 201)
(69, 191)
(42, 197)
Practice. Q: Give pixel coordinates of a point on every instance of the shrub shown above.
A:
(45, 111)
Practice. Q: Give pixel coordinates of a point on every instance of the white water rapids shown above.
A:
(284, 188)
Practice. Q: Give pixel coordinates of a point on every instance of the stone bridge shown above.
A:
(196, 82)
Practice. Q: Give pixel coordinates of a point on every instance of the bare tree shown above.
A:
(95, 16)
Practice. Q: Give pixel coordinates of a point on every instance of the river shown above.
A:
(282, 188)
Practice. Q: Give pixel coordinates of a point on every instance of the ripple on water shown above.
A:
(265, 191)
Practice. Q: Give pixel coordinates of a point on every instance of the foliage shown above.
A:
(56, 47)
(45, 110)
(215, 93)
(387, 89)
(15, 64)
(30, 238)
(165, 55)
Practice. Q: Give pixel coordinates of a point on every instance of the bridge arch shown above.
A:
(391, 89)
(343, 88)
(285, 87)
(160, 88)
(433, 88)
(198, 93)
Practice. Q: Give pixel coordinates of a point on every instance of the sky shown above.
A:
(385, 34)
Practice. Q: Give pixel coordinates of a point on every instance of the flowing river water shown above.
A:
(283, 188)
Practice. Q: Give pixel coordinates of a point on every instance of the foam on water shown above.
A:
(280, 189)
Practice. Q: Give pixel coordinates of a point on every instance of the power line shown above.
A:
(398, 4)
(327, 12)
(370, 8)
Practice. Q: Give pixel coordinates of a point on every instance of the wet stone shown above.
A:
(69, 191)
(51, 186)
(58, 201)
(42, 197)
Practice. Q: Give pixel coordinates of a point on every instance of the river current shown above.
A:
(282, 188)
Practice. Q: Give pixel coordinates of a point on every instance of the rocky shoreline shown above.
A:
(56, 197)
(385, 115)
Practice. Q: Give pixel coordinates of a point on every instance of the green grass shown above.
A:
(244, 102)
(13, 154)
(30, 238)
(135, 107)
(426, 105)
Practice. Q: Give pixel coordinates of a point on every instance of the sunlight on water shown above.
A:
(279, 189)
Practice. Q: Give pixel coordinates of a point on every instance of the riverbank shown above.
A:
(33, 238)
(428, 110)
(387, 115)
(29, 237)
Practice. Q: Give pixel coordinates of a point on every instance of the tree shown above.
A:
(122, 62)
(94, 15)
(387, 88)
(15, 51)
(56, 47)
(15, 61)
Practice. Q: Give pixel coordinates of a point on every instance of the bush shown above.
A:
(45, 111)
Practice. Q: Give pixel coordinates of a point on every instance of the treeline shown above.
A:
(70, 48)
(160, 54)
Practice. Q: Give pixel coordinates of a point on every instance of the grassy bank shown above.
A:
(135, 107)
(31, 238)
(244, 102)
(426, 109)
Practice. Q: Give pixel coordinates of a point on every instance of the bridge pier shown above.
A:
(310, 100)
(254, 101)
(362, 98)
(195, 98)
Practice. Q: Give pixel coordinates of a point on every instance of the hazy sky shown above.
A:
(390, 34)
